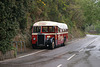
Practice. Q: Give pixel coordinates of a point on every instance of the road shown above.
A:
(83, 52)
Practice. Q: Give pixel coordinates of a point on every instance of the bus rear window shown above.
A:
(36, 29)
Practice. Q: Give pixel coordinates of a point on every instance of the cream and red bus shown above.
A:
(49, 34)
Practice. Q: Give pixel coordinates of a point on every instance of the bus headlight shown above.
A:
(34, 38)
(48, 37)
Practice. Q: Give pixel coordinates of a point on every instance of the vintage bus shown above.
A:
(49, 34)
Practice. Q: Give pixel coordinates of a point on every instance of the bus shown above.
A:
(49, 34)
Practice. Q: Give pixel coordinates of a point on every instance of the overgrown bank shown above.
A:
(17, 17)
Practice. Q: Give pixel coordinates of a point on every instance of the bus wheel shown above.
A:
(64, 41)
(52, 45)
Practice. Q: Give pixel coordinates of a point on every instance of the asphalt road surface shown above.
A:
(83, 52)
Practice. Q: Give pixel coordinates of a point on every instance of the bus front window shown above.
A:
(36, 29)
(48, 29)
(52, 29)
(44, 29)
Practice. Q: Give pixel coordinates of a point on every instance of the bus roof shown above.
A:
(51, 23)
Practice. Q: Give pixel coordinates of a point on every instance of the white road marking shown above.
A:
(81, 50)
(71, 57)
(31, 54)
(59, 65)
(22, 56)
(87, 45)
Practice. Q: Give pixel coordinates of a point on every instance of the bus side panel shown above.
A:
(60, 38)
(67, 37)
(56, 40)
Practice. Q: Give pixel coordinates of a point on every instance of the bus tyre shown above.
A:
(52, 45)
(64, 41)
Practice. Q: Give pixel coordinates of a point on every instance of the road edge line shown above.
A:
(22, 56)
(31, 54)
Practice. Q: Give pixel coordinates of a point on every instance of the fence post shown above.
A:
(16, 44)
(21, 45)
(24, 46)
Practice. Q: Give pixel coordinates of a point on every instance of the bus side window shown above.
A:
(55, 29)
(63, 30)
(58, 29)
(66, 30)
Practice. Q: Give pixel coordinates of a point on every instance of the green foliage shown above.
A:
(12, 18)
(97, 28)
(75, 13)
(91, 9)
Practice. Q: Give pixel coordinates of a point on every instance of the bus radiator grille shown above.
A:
(41, 40)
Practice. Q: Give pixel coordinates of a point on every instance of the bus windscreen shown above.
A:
(36, 29)
(48, 29)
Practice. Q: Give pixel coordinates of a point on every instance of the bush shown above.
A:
(12, 18)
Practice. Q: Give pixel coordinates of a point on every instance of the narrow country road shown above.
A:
(84, 52)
